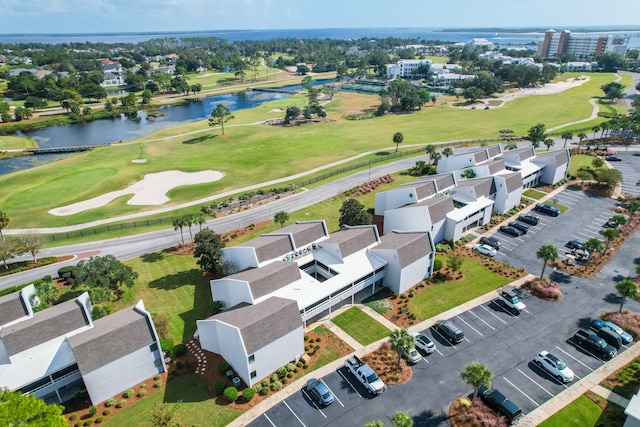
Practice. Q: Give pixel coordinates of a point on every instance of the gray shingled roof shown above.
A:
(480, 156)
(261, 324)
(111, 338)
(438, 207)
(303, 233)
(493, 150)
(269, 278)
(425, 189)
(410, 246)
(482, 186)
(444, 181)
(269, 247)
(520, 153)
(496, 166)
(12, 307)
(560, 156)
(44, 326)
(352, 240)
(513, 181)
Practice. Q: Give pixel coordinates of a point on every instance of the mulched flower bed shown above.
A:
(384, 362)
(544, 288)
(368, 187)
(463, 414)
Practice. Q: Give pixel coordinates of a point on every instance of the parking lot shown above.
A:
(504, 342)
(630, 169)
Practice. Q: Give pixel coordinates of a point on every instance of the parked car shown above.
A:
(491, 241)
(521, 226)
(319, 391)
(554, 366)
(598, 324)
(610, 337)
(510, 231)
(485, 249)
(529, 219)
(574, 244)
(547, 209)
(412, 356)
(449, 331)
(422, 342)
(613, 158)
(499, 402)
(511, 301)
(610, 224)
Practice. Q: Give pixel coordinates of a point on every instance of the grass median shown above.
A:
(360, 326)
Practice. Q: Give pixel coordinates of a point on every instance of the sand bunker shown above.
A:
(152, 190)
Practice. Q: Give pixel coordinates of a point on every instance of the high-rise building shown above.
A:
(583, 46)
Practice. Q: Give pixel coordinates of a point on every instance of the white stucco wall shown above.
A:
(119, 375)
(277, 354)
(394, 199)
(241, 257)
(230, 292)
(453, 163)
(407, 219)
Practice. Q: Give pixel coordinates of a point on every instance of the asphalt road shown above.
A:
(503, 342)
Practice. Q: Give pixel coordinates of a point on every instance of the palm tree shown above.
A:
(618, 220)
(476, 375)
(547, 253)
(401, 341)
(4, 221)
(436, 157)
(281, 217)
(581, 136)
(593, 245)
(609, 234)
(47, 293)
(511, 145)
(179, 223)
(400, 419)
(189, 220)
(397, 139)
(100, 296)
(567, 135)
(549, 142)
(626, 289)
(447, 152)
(200, 218)
(595, 130)
(430, 150)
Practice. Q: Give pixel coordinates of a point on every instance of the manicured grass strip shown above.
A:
(360, 326)
(196, 407)
(578, 161)
(15, 142)
(441, 297)
(582, 412)
(329, 354)
(172, 285)
(534, 194)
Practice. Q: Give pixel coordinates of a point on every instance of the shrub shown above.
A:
(299, 364)
(142, 392)
(306, 348)
(143, 385)
(106, 412)
(289, 374)
(99, 419)
(442, 247)
(73, 417)
(178, 364)
(285, 380)
(157, 384)
(544, 288)
(318, 339)
(121, 404)
(157, 376)
(296, 370)
(306, 337)
(66, 272)
(178, 350)
(110, 402)
(385, 345)
(78, 424)
(248, 393)
(219, 386)
(231, 394)
(264, 390)
(129, 392)
(93, 410)
(265, 382)
(274, 378)
(277, 385)
(223, 367)
(305, 366)
(317, 347)
(166, 344)
(282, 371)
(88, 422)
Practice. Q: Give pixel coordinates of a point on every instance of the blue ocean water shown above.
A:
(506, 37)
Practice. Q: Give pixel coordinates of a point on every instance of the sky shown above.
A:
(113, 16)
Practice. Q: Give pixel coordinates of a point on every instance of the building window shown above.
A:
(154, 346)
(252, 358)
(253, 374)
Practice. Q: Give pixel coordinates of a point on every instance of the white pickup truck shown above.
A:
(511, 300)
(365, 375)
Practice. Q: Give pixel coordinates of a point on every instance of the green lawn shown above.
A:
(328, 355)
(582, 412)
(249, 153)
(439, 298)
(194, 405)
(16, 142)
(533, 194)
(578, 161)
(361, 326)
(169, 284)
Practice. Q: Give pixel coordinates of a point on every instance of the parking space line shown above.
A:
(334, 395)
(534, 381)
(268, 419)
(462, 320)
(596, 228)
(482, 320)
(493, 314)
(523, 393)
(503, 309)
(294, 414)
(314, 403)
(350, 385)
(586, 366)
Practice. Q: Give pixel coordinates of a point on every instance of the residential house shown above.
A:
(405, 67)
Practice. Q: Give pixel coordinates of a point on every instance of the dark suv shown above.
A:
(529, 219)
(449, 330)
(498, 401)
(547, 209)
(519, 226)
(491, 241)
